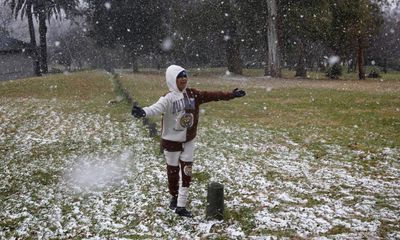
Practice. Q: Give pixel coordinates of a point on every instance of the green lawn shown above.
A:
(298, 159)
(355, 117)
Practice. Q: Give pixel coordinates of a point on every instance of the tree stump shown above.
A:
(215, 201)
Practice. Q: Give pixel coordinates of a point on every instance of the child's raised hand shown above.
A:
(238, 93)
(138, 112)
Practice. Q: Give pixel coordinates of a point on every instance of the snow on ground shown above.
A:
(71, 174)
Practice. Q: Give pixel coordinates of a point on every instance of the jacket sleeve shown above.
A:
(157, 108)
(209, 96)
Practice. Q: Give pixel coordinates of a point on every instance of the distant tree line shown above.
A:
(269, 34)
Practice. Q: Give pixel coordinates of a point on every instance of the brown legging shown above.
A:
(173, 176)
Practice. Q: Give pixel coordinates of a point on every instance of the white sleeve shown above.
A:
(157, 108)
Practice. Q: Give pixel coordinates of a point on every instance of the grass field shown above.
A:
(298, 159)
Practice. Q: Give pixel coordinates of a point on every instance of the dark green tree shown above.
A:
(231, 37)
(385, 47)
(305, 28)
(137, 25)
(353, 24)
(196, 31)
(208, 32)
(252, 17)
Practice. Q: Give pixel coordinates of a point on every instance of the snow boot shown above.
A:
(183, 212)
(173, 202)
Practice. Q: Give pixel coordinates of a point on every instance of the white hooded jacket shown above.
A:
(171, 106)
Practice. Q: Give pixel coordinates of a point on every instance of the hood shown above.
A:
(170, 75)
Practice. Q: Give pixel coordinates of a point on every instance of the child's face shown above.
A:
(181, 83)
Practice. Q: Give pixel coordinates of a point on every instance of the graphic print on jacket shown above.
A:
(184, 107)
(178, 106)
(184, 103)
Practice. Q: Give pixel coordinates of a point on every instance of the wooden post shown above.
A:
(146, 121)
(152, 130)
(215, 201)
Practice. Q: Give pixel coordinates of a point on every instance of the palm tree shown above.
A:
(25, 8)
(42, 9)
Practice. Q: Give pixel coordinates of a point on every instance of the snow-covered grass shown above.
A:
(277, 187)
(73, 166)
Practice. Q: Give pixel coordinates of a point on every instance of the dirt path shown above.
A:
(367, 85)
(371, 86)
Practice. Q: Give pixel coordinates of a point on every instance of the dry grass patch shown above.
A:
(82, 85)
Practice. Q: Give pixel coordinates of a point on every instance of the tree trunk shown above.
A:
(350, 65)
(232, 44)
(272, 67)
(36, 61)
(43, 44)
(385, 65)
(233, 57)
(106, 64)
(360, 60)
(301, 70)
(135, 66)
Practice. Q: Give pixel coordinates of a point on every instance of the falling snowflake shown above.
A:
(167, 44)
(333, 60)
(107, 5)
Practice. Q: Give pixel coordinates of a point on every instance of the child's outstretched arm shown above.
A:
(206, 96)
(156, 109)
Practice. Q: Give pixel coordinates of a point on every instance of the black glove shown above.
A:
(238, 93)
(138, 112)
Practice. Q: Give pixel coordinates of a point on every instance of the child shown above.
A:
(180, 110)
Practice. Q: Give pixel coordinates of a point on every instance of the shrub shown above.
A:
(374, 73)
(334, 71)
